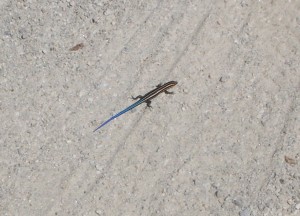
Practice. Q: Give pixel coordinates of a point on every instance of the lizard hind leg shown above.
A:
(137, 97)
(149, 104)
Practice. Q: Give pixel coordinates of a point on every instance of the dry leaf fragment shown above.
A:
(290, 160)
(77, 47)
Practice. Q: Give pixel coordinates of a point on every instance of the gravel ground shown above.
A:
(226, 143)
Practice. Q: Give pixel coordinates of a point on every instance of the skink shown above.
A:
(146, 98)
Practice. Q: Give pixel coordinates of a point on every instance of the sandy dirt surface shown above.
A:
(226, 143)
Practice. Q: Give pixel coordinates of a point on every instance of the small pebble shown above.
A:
(245, 212)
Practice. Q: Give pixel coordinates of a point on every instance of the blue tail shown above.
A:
(120, 113)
